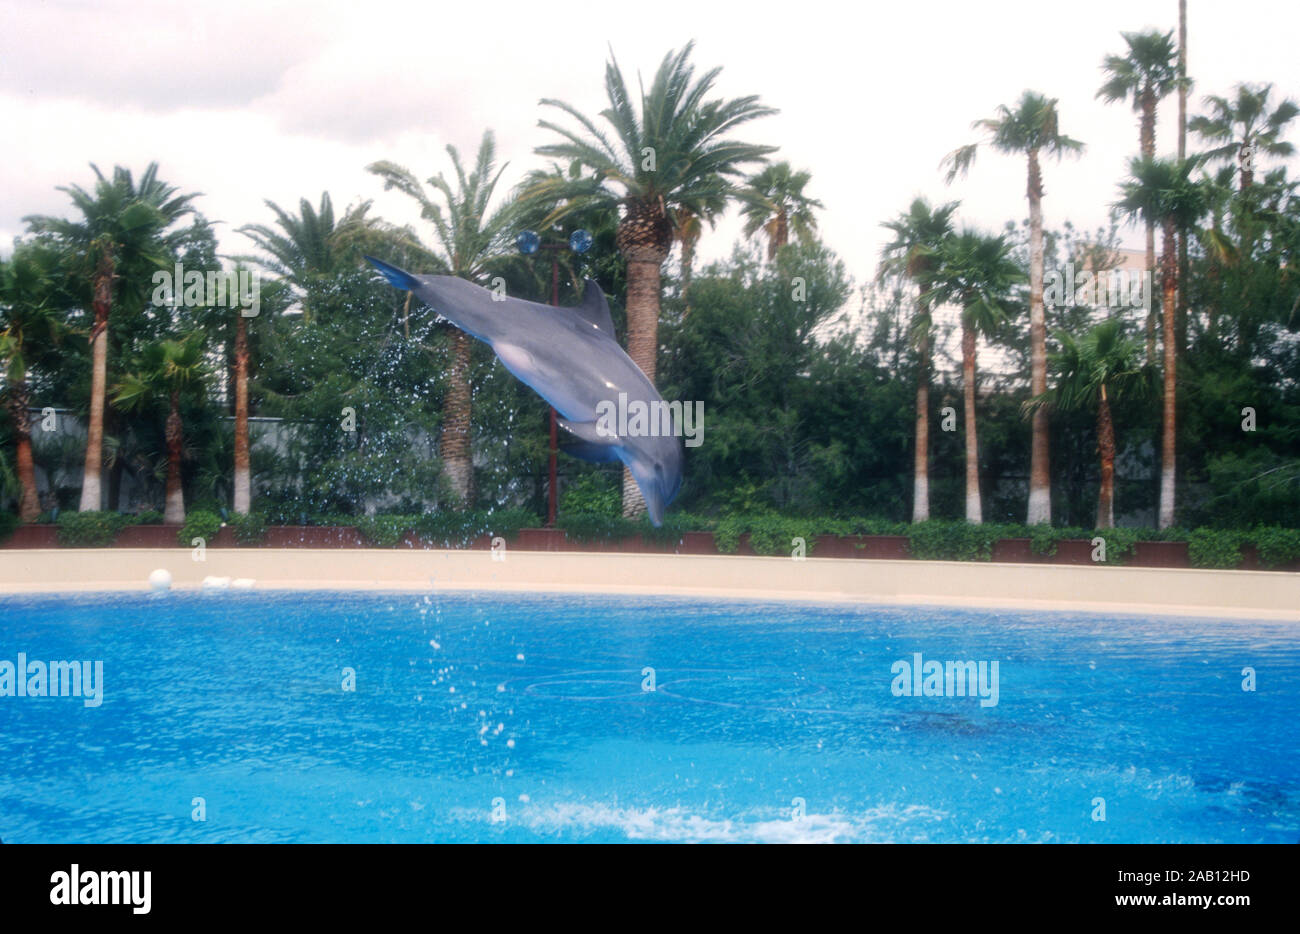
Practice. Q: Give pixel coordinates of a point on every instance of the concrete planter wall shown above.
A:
(1160, 555)
(33, 536)
(148, 536)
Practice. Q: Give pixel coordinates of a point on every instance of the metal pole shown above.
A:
(551, 490)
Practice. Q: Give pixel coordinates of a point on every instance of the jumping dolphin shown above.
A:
(569, 357)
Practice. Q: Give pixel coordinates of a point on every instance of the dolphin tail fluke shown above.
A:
(398, 277)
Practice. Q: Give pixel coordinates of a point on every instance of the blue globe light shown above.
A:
(527, 242)
(580, 241)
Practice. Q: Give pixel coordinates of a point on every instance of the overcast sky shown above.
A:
(245, 101)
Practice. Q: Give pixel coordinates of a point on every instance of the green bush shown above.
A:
(147, 517)
(591, 494)
(943, 540)
(1277, 546)
(1215, 548)
(453, 529)
(199, 523)
(249, 529)
(769, 533)
(91, 529)
(385, 531)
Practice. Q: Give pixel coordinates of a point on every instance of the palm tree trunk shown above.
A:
(921, 471)
(19, 401)
(1040, 479)
(780, 235)
(174, 510)
(974, 513)
(688, 260)
(1147, 140)
(243, 486)
(643, 265)
(1181, 312)
(91, 490)
(1106, 449)
(1168, 433)
(453, 440)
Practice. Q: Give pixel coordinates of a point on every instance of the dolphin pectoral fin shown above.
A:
(398, 277)
(591, 453)
(517, 360)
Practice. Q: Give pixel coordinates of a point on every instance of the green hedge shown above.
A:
(448, 529)
(199, 523)
(91, 529)
(248, 529)
(1276, 546)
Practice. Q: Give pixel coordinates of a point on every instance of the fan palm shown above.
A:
(1032, 128)
(471, 236)
(170, 370)
(919, 233)
(1163, 192)
(29, 327)
(977, 273)
(775, 203)
(667, 157)
(1244, 127)
(123, 230)
(1095, 372)
(1148, 73)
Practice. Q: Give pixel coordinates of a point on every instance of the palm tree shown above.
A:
(1096, 371)
(1147, 74)
(29, 326)
(914, 253)
(471, 237)
(123, 229)
(172, 370)
(674, 156)
(313, 244)
(1244, 128)
(307, 249)
(774, 203)
(1031, 128)
(975, 272)
(1163, 192)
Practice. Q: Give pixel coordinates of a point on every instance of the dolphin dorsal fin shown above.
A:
(594, 309)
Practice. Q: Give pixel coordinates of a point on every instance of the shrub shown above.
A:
(249, 529)
(769, 533)
(591, 494)
(452, 529)
(942, 540)
(199, 523)
(147, 517)
(1277, 546)
(1215, 548)
(90, 529)
(385, 531)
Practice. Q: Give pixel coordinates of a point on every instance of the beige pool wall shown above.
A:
(1207, 593)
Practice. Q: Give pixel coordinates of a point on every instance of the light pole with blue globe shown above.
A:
(528, 243)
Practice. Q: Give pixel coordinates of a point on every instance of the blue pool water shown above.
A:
(482, 717)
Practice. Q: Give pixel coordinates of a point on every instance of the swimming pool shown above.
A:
(491, 717)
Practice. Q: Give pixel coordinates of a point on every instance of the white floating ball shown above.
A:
(160, 580)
